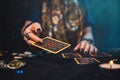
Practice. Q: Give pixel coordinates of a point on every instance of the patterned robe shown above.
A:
(64, 19)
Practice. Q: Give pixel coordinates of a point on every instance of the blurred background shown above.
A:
(106, 14)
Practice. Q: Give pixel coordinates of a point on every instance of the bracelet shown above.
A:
(89, 41)
(27, 35)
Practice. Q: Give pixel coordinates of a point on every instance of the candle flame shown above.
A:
(111, 62)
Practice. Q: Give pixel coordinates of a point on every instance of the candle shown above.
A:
(110, 65)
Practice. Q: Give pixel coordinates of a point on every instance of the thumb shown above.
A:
(37, 28)
(77, 47)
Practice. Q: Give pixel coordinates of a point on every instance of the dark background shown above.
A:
(13, 13)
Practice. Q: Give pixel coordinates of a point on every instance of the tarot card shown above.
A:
(86, 60)
(102, 54)
(71, 55)
(52, 45)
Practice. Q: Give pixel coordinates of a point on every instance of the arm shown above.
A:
(88, 33)
(32, 29)
(87, 42)
(86, 45)
(31, 32)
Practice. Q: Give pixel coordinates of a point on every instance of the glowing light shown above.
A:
(111, 63)
(19, 71)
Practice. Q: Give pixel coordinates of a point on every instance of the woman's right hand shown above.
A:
(32, 32)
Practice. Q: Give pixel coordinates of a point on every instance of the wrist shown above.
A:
(91, 41)
(25, 27)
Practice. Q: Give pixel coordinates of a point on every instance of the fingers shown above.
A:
(93, 49)
(34, 38)
(80, 46)
(86, 47)
(96, 50)
(31, 34)
(30, 42)
(37, 28)
(77, 47)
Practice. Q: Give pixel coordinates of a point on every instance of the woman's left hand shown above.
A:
(86, 47)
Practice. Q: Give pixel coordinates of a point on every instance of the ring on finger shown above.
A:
(27, 35)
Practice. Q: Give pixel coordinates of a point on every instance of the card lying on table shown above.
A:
(52, 45)
(71, 55)
(102, 54)
(86, 60)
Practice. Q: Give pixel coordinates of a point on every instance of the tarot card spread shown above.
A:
(51, 45)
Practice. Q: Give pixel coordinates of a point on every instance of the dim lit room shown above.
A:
(59, 39)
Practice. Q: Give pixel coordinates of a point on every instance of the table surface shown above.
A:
(54, 67)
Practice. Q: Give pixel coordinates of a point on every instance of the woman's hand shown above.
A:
(86, 47)
(32, 32)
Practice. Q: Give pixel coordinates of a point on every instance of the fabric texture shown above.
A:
(61, 19)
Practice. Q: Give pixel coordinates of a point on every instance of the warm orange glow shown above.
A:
(111, 62)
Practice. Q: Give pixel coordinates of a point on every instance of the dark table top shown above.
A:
(54, 67)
